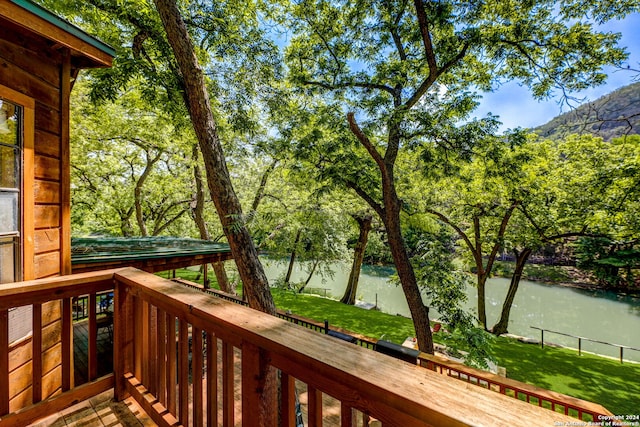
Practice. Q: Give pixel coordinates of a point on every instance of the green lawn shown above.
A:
(602, 380)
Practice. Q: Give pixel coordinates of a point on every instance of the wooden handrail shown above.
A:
(174, 345)
(582, 409)
(393, 392)
(37, 392)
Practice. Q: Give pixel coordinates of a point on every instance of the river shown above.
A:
(597, 315)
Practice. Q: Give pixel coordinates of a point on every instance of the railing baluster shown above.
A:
(346, 415)
(196, 375)
(288, 397)
(171, 373)
(36, 352)
(212, 380)
(67, 345)
(145, 340)
(93, 338)
(138, 354)
(153, 350)
(227, 385)
(315, 406)
(162, 357)
(183, 372)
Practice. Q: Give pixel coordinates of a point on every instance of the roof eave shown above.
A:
(40, 21)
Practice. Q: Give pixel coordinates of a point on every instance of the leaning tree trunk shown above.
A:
(218, 179)
(503, 324)
(390, 215)
(313, 270)
(197, 213)
(364, 224)
(408, 281)
(227, 204)
(292, 259)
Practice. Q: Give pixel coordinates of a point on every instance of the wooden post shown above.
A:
(288, 401)
(123, 330)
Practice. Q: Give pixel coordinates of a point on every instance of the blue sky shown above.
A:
(516, 107)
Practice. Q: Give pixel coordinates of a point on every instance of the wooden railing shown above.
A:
(37, 371)
(578, 408)
(191, 359)
(323, 328)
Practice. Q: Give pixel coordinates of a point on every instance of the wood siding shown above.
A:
(30, 66)
(32, 72)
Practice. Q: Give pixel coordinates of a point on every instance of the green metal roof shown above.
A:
(102, 249)
(64, 25)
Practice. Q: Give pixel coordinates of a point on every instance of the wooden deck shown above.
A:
(99, 411)
(81, 350)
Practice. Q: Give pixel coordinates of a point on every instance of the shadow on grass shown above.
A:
(588, 377)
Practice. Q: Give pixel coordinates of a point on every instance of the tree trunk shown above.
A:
(503, 324)
(389, 213)
(419, 312)
(261, 188)
(293, 257)
(364, 224)
(255, 282)
(482, 303)
(222, 278)
(197, 213)
(306, 282)
(256, 285)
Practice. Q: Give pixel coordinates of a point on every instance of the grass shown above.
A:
(589, 377)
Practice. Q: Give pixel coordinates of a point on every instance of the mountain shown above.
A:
(614, 115)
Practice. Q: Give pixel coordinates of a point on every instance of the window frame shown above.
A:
(25, 245)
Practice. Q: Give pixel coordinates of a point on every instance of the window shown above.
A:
(10, 186)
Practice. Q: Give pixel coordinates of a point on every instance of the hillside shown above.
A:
(614, 115)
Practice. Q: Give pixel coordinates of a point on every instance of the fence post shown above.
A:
(579, 346)
(541, 338)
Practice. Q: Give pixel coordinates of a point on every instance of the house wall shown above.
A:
(29, 66)
(40, 74)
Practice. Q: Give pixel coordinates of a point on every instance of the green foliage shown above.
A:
(131, 174)
(444, 284)
(613, 263)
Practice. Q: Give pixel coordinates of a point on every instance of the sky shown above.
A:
(517, 108)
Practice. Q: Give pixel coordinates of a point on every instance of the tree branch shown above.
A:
(364, 140)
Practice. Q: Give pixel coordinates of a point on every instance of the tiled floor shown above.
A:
(99, 411)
